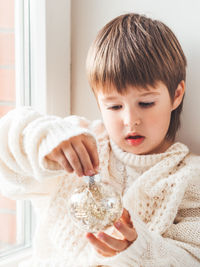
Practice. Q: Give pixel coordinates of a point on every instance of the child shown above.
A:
(136, 68)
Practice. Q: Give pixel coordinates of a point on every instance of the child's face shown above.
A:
(138, 121)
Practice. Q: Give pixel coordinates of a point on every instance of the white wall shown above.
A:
(182, 16)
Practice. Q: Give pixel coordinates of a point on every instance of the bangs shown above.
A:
(120, 68)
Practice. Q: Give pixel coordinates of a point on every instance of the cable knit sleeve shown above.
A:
(178, 246)
(26, 137)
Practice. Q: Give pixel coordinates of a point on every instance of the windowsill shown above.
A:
(14, 259)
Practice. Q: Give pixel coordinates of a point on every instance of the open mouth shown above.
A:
(134, 137)
(135, 140)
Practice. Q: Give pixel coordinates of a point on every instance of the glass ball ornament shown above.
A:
(95, 206)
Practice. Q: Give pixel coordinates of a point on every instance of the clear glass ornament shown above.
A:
(95, 206)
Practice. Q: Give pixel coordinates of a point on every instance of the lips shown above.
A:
(134, 139)
(133, 136)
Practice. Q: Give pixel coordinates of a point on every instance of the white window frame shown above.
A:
(43, 63)
(50, 56)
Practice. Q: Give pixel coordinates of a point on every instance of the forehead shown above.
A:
(112, 93)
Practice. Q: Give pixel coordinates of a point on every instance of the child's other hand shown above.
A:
(109, 246)
(79, 154)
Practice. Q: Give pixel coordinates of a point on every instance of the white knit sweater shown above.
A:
(160, 191)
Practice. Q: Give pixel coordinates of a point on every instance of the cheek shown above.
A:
(159, 121)
(111, 123)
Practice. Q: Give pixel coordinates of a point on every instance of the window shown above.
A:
(7, 72)
(39, 60)
(15, 216)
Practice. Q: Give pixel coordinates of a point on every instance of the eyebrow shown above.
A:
(109, 98)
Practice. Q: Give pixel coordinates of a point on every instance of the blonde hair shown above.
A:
(138, 51)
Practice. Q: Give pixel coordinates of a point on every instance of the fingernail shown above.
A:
(80, 174)
(96, 168)
(118, 224)
(101, 235)
(90, 173)
(89, 235)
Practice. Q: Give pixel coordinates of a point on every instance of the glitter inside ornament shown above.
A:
(95, 206)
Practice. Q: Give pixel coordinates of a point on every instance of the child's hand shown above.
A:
(79, 154)
(109, 246)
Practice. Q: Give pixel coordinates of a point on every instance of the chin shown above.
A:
(133, 150)
(139, 150)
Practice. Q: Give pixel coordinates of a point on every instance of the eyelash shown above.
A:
(146, 104)
(142, 104)
(115, 107)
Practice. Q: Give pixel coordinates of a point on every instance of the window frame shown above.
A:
(50, 28)
(43, 66)
(22, 76)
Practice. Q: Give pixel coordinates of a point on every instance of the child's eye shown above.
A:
(115, 107)
(146, 104)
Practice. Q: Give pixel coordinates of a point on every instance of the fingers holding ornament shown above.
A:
(107, 245)
(127, 231)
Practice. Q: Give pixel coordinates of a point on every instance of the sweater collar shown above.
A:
(147, 160)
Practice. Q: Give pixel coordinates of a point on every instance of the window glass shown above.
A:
(7, 223)
(7, 56)
(7, 102)
(15, 216)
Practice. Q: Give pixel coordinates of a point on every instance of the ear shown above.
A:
(179, 93)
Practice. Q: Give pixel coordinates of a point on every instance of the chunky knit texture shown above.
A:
(160, 191)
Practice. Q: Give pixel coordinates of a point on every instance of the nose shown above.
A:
(131, 118)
